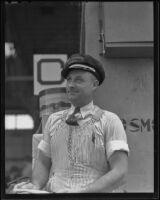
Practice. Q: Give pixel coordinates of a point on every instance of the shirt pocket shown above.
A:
(98, 152)
(91, 148)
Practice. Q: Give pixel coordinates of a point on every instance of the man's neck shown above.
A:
(82, 104)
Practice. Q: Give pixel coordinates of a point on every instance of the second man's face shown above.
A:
(80, 87)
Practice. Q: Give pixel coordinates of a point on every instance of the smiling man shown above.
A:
(80, 87)
(84, 149)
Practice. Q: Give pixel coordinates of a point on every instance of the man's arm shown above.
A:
(40, 174)
(41, 170)
(119, 167)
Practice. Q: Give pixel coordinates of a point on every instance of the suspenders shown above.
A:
(98, 114)
(96, 117)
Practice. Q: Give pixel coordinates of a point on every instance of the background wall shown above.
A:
(127, 91)
(33, 28)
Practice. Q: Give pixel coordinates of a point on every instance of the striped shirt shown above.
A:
(80, 154)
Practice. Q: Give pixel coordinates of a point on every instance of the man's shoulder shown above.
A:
(106, 113)
(59, 114)
(56, 117)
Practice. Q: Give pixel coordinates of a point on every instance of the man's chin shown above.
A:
(72, 99)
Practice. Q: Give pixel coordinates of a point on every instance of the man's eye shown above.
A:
(68, 79)
(79, 79)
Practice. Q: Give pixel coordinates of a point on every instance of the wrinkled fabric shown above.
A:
(80, 154)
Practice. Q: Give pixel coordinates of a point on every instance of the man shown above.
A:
(84, 148)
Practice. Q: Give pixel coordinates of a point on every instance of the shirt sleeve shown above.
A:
(116, 138)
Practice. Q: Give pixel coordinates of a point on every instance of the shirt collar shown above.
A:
(85, 110)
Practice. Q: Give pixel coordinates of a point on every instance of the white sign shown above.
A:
(9, 49)
(47, 71)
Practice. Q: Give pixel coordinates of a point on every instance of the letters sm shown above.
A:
(138, 124)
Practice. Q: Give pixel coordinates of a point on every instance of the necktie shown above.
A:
(72, 120)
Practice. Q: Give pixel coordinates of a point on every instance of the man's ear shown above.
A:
(95, 84)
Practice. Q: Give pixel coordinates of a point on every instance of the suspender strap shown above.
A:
(64, 115)
(98, 114)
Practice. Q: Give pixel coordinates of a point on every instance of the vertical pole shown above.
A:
(82, 30)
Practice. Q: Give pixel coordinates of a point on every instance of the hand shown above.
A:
(23, 185)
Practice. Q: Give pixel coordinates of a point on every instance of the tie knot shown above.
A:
(72, 120)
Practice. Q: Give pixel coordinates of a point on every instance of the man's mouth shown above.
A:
(72, 92)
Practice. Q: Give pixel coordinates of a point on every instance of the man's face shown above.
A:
(80, 87)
